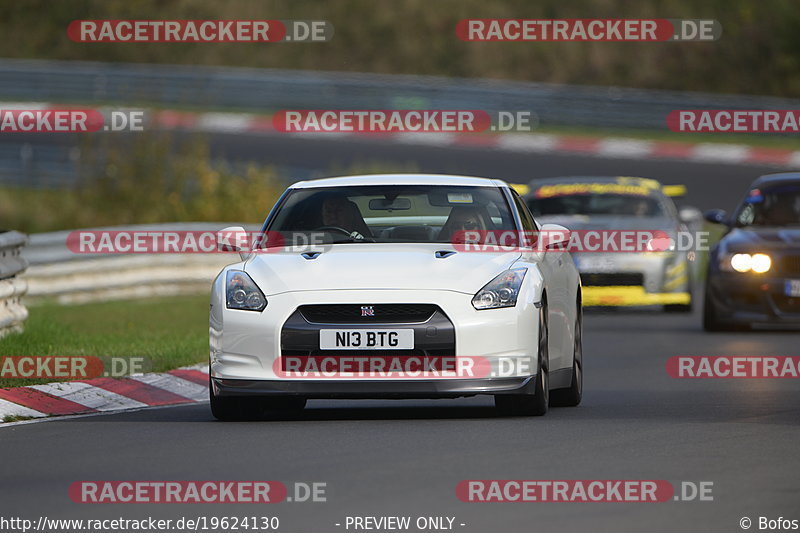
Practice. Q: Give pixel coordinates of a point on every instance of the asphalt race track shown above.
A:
(406, 457)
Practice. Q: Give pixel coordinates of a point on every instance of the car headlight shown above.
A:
(241, 292)
(502, 291)
(758, 263)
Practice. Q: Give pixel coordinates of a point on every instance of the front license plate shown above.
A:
(792, 287)
(366, 339)
(594, 264)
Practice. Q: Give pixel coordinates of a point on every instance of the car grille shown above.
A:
(382, 313)
(612, 279)
(790, 265)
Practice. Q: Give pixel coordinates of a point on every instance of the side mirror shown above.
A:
(689, 215)
(233, 239)
(716, 216)
(554, 236)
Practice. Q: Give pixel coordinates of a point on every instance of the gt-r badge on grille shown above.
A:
(367, 310)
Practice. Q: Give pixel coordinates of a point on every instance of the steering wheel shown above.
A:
(360, 237)
(334, 228)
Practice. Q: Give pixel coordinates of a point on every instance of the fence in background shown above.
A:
(266, 90)
(12, 311)
(40, 161)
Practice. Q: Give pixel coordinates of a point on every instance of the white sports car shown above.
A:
(371, 293)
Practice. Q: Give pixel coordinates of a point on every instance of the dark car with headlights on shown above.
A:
(754, 270)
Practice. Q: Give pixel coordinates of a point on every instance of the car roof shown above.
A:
(652, 186)
(597, 179)
(400, 179)
(777, 179)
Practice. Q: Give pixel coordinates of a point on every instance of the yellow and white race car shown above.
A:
(659, 277)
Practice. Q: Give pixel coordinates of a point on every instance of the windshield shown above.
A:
(390, 213)
(777, 206)
(597, 204)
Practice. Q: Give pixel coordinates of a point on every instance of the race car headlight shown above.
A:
(502, 291)
(241, 292)
(757, 263)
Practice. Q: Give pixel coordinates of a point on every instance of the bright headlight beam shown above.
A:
(741, 262)
(756, 263)
(761, 263)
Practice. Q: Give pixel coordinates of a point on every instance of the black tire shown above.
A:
(571, 397)
(711, 320)
(531, 404)
(229, 408)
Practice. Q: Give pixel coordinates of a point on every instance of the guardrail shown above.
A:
(267, 90)
(30, 161)
(56, 273)
(12, 311)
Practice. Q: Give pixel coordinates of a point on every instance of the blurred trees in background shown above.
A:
(145, 179)
(759, 52)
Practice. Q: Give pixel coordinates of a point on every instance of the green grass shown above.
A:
(167, 332)
(16, 418)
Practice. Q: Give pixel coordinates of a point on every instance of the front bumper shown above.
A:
(634, 279)
(245, 345)
(632, 296)
(427, 389)
(750, 299)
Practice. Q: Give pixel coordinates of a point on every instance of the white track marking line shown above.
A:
(175, 385)
(522, 142)
(89, 396)
(724, 153)
(8, 408)
(624, 148)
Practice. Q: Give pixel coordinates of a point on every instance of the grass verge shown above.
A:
(167, 332)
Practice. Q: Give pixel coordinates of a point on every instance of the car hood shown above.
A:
(762, 238)
(377, 266)
(608, 222)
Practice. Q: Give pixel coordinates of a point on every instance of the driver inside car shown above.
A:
(464, 218)
(339, 212)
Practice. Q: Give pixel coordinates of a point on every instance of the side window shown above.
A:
(746, 215)
(524, 214)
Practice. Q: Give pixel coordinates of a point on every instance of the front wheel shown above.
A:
(531, 404)
(570, 397)
(231, 408)
(678, 308)
(712, 321)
